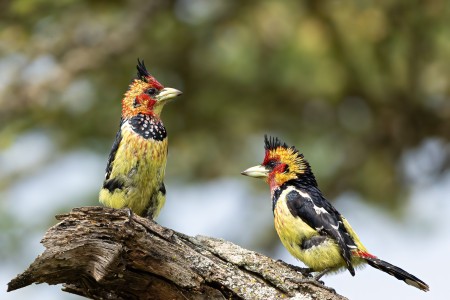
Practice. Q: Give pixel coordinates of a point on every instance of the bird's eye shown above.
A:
(151, 91)
(271, 164)
(136, 103)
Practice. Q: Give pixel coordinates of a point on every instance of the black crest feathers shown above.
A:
(305, 175)
(271, 143)
(142, 70)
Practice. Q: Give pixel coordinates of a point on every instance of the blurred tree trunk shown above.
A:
(102, 253)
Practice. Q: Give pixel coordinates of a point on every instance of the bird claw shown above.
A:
(130, 216)
(304, 271)
(313, 281)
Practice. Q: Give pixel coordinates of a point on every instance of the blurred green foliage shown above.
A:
(353, 84)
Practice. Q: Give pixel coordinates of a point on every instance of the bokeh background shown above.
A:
(360, 87)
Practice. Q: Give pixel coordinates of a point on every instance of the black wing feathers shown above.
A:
(319, 214)
(162, 188)
(112, 154)
(313, 242)
(112, 184)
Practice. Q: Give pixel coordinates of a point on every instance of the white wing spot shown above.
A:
(304, 195)
(320, 210)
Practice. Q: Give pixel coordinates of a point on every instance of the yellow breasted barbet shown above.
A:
(136, 165)
(310, 228)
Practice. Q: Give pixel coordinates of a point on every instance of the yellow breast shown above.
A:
(140, 163)
(293, 231)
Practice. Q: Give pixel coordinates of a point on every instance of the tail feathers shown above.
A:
(397, 272)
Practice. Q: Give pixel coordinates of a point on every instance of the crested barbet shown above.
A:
(310, 228)
(136, 165)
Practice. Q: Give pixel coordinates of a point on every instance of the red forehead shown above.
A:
(270, 156)
(151, 80)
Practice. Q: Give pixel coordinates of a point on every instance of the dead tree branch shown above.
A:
(102, 253)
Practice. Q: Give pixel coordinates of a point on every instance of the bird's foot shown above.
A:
(313, 281)
(320, 274)
(304, 271)
(130, 216)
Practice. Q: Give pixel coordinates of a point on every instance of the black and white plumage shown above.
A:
(308, 204)
(310, 228)
(136, 165)
(148, 127)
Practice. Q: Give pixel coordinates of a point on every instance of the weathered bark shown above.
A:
(102, 253)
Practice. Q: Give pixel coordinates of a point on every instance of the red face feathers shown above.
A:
(282, 164)
(145, 76)
(145, 95)
(285, 163)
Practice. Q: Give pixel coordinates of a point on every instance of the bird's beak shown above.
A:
(257, 172)
(167, 94)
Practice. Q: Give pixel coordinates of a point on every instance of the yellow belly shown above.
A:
(140, 163)
(293, 231)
